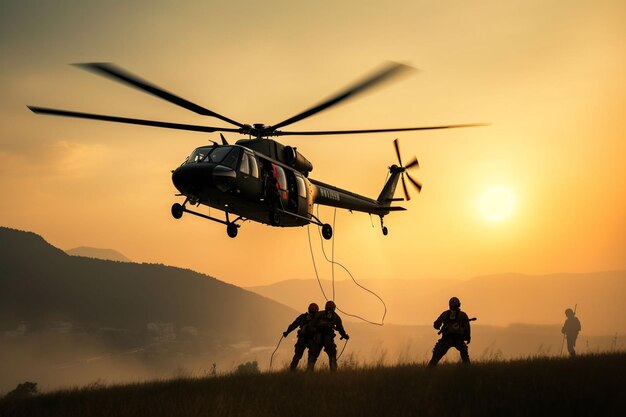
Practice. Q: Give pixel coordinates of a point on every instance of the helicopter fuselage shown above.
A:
(249, 184)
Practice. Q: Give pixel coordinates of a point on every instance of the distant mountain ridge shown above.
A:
(98, 253)
(40, 284)
(500, 300)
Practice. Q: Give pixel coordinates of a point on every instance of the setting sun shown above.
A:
(497, 204)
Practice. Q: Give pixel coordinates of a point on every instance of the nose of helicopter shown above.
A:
(189, 178)
(199, 178)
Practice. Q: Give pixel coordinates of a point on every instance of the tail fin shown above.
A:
(389, 189)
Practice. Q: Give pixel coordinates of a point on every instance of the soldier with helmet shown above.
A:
(325, 324)
(570, 329)
(306, 334)
(454, 327)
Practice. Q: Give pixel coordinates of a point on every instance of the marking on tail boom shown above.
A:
(333, 195)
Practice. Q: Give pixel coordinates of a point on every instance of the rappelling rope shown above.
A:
(333, 262)
(332, 251)
(277, 346)
(315, 265)
(344, 348)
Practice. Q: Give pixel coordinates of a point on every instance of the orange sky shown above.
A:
(551, 78)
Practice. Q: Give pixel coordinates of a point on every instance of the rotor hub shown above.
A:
(395, 168)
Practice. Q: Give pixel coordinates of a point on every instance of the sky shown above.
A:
(540, 190)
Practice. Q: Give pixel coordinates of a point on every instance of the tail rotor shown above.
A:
(414, 163)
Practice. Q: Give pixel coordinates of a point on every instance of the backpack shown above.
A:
(306, 329)
(452, 323)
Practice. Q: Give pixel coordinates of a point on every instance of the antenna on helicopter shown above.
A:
(224, 141)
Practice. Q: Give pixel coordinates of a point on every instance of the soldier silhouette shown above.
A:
(305, 334)
(570, 330)
(325, 323)
(454, 327)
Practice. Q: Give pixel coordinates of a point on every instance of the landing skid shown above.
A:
(232, 228)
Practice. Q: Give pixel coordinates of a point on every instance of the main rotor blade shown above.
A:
(154, 123)
(109, 70)
(349, 132)
(412, 163)
(397, 146)
(406, 192)
(387, 72)
(415, 183)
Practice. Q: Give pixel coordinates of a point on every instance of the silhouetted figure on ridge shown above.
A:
(454, 327)
(325, 323)
(570, 329)
(306, 333)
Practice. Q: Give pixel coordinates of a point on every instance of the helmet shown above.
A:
(454, 302)
(313, 308)
(569, 312)
(330, 305)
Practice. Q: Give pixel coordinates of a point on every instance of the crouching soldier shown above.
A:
(305, 334)
(454, 327)
(325, 324)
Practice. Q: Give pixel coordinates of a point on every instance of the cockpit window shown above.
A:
(214, 154)
(198, 155)
(231, 159)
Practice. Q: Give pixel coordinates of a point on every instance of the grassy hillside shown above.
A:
(586, 386)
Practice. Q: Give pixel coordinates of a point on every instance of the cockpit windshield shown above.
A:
(214, 154)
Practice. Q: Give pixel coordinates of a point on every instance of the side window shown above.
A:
(218, 154)
(254, 166)
(301, 186)
(244, 166)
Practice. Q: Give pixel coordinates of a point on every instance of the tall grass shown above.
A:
(590, 385)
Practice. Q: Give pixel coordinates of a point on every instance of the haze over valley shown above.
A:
(68, 320)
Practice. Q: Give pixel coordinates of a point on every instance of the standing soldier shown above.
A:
(570, 329)
(454, 327)
(325, 324)
(305, 334)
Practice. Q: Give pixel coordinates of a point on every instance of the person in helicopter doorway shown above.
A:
(305, 334)
(325, 323)
(570, 330)
(454, 327)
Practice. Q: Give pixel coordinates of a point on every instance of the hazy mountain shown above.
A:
(40, 283)
(67, 319)
(496, 299)
(98, 253)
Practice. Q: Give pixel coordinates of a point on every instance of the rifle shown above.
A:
(472, 319)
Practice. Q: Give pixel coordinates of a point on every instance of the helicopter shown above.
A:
(257, 178)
